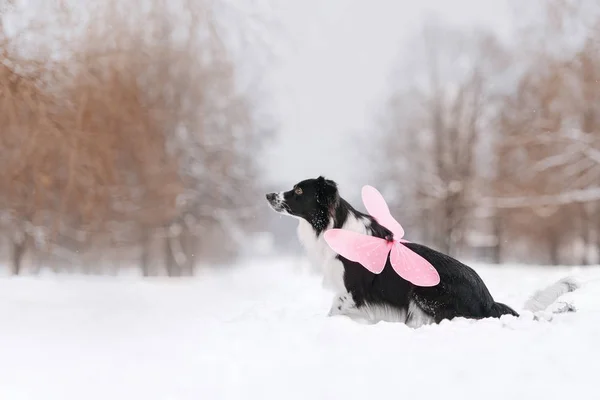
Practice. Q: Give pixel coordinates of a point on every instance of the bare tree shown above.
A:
(500, 145)
(136, 134)
(548, 154)
(450, 108)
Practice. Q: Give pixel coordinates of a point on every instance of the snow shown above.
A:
(260, 331)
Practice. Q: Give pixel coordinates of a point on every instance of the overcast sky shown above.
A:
(331, 72)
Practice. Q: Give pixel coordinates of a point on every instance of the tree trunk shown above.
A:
(586, 238)
(451, 225)
(171, 265)
(497, 249)
(145, 254)
(598, 245)
(596, 230)
(554, 244)
(18, 252)
(189, 249)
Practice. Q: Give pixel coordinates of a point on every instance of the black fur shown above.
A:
(460, 293)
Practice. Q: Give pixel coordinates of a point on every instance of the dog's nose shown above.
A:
(271, 196)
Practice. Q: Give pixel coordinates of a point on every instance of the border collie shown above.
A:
(362, 295)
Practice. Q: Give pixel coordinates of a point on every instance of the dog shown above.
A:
(368, 297)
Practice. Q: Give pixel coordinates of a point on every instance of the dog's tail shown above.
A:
(542, 299)
(500, 309)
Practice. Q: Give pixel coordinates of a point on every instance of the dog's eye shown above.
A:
(298, 191)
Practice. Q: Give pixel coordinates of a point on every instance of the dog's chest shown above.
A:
(321, 255)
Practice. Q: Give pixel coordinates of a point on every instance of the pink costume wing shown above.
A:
(370, 251)
(412, 267)
(378, 208)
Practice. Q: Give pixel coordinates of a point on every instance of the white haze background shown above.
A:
(332, 68)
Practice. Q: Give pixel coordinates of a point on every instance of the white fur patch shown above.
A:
(343, 304)
(321, 255)
(416, 317)
(279, 200)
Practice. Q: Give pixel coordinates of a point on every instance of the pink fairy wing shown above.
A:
(369, 251)
(378, 208)
(412, 267)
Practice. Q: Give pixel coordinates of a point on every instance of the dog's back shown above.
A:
(460, 293)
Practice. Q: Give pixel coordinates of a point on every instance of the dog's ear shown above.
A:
(327, 192)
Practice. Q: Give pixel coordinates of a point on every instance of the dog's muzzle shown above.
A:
(275, 201)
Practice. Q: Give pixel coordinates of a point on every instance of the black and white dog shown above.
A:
(362, 295)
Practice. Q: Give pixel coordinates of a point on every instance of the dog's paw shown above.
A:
(342, 305)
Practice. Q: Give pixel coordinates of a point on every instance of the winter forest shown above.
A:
(134, 137)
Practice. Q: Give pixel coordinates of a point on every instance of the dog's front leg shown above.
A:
(343, 304)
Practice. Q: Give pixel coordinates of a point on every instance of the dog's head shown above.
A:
(312, 199)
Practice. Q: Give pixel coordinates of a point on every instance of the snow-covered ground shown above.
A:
(260, 331)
